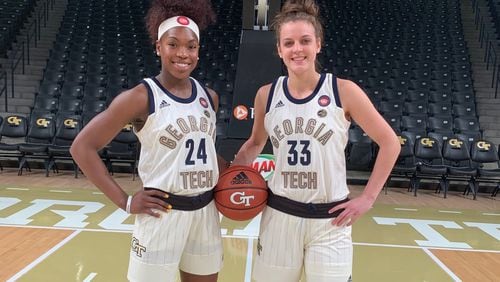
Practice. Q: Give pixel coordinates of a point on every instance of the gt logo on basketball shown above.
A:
(239, 198)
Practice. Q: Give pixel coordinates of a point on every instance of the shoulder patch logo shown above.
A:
(322, 113)
(164, 104)
(279, 104)
(203, 102)
(324, 101)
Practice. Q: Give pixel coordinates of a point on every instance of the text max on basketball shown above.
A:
(74, 214)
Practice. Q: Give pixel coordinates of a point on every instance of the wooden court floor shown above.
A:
(59, 228)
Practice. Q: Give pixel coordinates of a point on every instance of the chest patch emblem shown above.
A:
(322, 113)
(203, 102)
(324, 101)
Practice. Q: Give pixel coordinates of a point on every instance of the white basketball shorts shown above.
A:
(187, 240)
(289, 245)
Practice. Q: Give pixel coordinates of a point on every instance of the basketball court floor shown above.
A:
(59, 228)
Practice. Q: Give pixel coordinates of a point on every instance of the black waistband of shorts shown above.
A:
(187, 203)
(306, 210)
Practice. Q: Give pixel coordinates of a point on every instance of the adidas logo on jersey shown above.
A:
(164, 104)
(241, 178)
(279, 104)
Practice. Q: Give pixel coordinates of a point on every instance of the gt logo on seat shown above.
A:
(402, 140)
(14, 120)
(239, 198)
(483, 145)
(427, 142)
(42, 122)
(70, 123)
(455, 143)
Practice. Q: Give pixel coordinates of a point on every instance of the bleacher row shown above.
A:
(13, 14)
(46, 138)
(426, 158)
(102, 48)
(413, 64)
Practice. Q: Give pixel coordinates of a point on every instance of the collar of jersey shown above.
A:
(175, 98)
(306, 99)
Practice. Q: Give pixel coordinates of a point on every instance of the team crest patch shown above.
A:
(203, 102)
(207, 114)
(322, 113)
(324, 101)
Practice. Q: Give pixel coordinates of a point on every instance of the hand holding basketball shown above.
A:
(240, 193)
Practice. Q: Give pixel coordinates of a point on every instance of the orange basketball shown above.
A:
(241, 192)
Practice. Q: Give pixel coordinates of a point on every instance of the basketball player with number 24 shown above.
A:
(177, 226)
(306, 225)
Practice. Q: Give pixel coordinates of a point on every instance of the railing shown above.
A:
(490, 55)
(31, 34)
(3, 89)
(22, 53)
(489, 43)
(496, 85)
(14, 63)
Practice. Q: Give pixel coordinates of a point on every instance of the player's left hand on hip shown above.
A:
(353, 209)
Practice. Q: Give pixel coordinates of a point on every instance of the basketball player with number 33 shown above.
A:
(306, 115)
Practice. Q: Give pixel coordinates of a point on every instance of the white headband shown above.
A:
(178, 21)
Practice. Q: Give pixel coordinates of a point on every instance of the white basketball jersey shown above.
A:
(178, 141)
(309, 137)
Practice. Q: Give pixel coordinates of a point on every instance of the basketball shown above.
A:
(240, 193)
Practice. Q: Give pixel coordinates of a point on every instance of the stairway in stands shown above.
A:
(26, 85)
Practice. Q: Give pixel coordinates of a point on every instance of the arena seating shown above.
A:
(13, 15)
(409, 57)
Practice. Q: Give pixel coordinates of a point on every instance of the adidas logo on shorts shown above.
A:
(241, 178)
